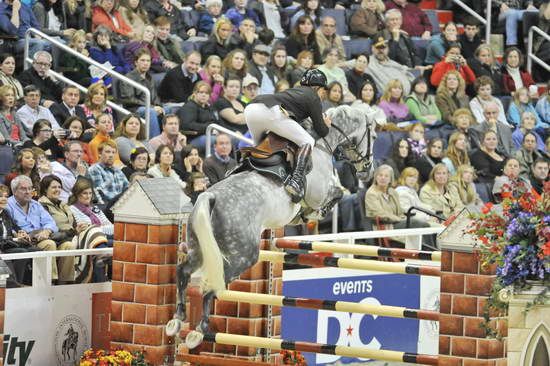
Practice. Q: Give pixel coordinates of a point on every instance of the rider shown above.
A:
(282, 113)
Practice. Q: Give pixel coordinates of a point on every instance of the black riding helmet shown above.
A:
(314, 77)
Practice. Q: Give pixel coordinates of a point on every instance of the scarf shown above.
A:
(516, 76)
(86, 210)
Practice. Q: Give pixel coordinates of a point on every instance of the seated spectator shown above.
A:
(77, 15)
(470, 39)
(218, 42)
(303, 38)
(367, 98)
(417, 139)
(230, 109)
(453, 61)
(104, 126)
(50, 18)
(510, 181)
(239, 12)
(84, 211)
(309, 8)
(41, 77)
(68, 106)
(164, 158)
(25, 164)
(505, 145)
(197, 113)
(450, 95)
(407, 188)
(429, 159)
(191, 163)
(487, 162)
(106, 13)
(145, 39)
(484, 94)
(357, 75)
(273, 16)
(368, 19)
(527, 154)
(511, 13)
(245, 37)
(168, 47)
(103, 51)
(71, 169)
(134, 15)
(177, 85)
(543, 105)
(327, 37)
(32, 218)
(462, 183)
(416, 22)
(335, 96)
(139, 162)
(95, 104)
(32, 111)
(440, 43)
(235, 65)
(7, 71)
(304, 62)
(220, 162)
(108, 180)
(211, 73)
(463, 120)
(170, 136)
(210, 16)
(438, 194)
(527, 125)
(165, 8)
(195, 186)
(279, 62)
(42, 163)
(258, 67)
(129, 135)
(393, 104)
(334, 73)
(539, 174)
(422, 105)
(514, 75)
(484, 63)
(251, 89)
(12, 131)
(522, 103)
(136, 100)
(401, 157)
(457, 152)
(382, 69)
(76, 127)
(44, 137)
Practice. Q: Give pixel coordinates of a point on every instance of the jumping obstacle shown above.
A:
(362, 264)
(371, 251)
(331, 349)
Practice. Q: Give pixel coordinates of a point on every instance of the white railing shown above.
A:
(42, 262)
(217, 127)
(530, 55)
(112, 73)
(485, 22)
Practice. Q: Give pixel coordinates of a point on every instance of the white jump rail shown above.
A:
(530, 55)
(42, 262)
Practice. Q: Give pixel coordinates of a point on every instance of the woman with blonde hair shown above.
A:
(393, 103)
(73, 67)
(462, 183)
(407, 188)
(212, 73)
(437, 194)
(368, 19)
(457, 152)
(521, 103)
(451, 94)
(95, 104)
(235, 64)
(218, 42)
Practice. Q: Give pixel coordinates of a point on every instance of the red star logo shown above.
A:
(349, 330)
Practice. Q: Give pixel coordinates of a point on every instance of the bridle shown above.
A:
(353, 147)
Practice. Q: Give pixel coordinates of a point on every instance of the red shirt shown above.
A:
(415, 21)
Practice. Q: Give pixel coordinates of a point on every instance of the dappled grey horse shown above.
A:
(226, 223)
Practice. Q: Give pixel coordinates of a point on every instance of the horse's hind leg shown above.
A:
(206, 306)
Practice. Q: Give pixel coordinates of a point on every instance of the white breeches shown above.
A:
(261, 119)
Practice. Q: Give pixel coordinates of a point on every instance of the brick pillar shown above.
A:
(464, 290)
(144, 277)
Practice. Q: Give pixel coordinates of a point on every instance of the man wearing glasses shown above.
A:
(71, 169)
(327, 37)
(32, 111)
(41, 77)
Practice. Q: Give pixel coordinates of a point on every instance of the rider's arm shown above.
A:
(316, 115)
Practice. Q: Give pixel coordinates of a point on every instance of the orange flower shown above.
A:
(487, 208)
(546, 248)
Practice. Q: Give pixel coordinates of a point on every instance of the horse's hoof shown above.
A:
(193, 339)
(173, 327)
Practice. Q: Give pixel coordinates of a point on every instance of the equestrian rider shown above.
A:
(282, 113)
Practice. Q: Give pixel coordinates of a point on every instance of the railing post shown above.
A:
(530, 50)
(488, 24)
(42, 272)
(215, 126)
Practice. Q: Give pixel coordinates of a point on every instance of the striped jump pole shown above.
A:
(362, 264)
(331, 349)
(350, 307)
(367, 250)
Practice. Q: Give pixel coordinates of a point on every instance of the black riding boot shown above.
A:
(295, 185)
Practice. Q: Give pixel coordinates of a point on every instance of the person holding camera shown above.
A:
(47, 138)
(453, 60)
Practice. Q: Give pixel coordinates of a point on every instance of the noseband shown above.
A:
(365, 159)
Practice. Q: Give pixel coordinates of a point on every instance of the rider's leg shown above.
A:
(259, 120)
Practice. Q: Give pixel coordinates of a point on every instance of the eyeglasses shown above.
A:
(43, 64)
(329, 25)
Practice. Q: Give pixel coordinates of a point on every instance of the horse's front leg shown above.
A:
(206, 306)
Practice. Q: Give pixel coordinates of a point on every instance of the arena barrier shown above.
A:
(372, 251)
(331, 349)
(361, 264)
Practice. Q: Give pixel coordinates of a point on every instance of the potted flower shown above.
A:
(293, 358)
(113, 357)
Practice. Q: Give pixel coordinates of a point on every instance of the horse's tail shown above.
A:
(212, 260)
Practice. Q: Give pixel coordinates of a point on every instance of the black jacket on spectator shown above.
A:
(215, 169)
(537, 184)
(61, 113)
(49, 90)
(236, 41)
(254, 70)
(178, 26)
(403, 51)
(176, 87)
(194, 117)
(494, 73)
(169, 50)
(356, 81)
(487, 168)
(52, 145)
(294, 47)
(212, 47)
(425, 165)
(469, 47)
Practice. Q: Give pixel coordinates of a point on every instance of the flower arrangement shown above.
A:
(293, 358)
(112, 358)
(517, 239)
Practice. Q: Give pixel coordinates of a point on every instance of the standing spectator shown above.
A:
(245, 37)
(106, 13)
(108, 180)
(368, 19)
(527, 125)
(402, 49)
(170, 136)
(513, 74)
(218, 42)
(49, 15)
(383, 69)
(451, 95)
(521, 103)
(327, 38)
(235, 65)
(470, 39)
(440, 43)
(168, 47)
(462, 184)
(73, 67)
(416, 22)
(239, 12)
(164, 158)
(103, 50)
(211, 73)
(95, 104)
(511, 13)
(304, 62)
(422, 105)
(453, 61)
(7, 70)
(505, 145)
(487, 162)
(68, 106)
(303, 38)
(259, 68)
(130, 134)
(139, 162)
(393, 104)
(357, 75)
(71, 169)
(485, 64)
(437, 193)
(272, 16)
(77, 15)
(41, 77)
(310, 8)
(457, 152)
(210, 16)
(165, 8)
(177, 85)
(220, 162)
(484, 94)
(134, 15)
(230, 109)
(32, 111)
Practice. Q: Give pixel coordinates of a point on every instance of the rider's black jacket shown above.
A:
(301, 102)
